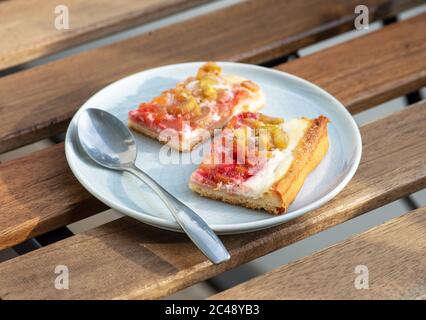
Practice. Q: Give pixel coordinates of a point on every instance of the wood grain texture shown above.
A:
(39, 102)
(365, 72)
(394, 253)
(33, 190)
(27, 27)
(126, 259)
(63, 212)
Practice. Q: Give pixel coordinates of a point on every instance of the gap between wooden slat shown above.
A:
(392, 257)
(48, 96)
(154, 263)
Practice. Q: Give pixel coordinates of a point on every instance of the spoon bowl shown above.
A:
(106, 140)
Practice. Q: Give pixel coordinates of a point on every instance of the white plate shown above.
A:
(287, 96)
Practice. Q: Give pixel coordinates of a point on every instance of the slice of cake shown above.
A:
(189, 113)
(261, 162)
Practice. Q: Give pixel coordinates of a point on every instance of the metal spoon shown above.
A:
(111, 144)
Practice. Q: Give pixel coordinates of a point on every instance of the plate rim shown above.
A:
(234, 228)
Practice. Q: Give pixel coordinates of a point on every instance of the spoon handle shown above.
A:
(195, 227)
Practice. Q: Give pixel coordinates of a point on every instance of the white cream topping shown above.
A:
(192, 85)
(215, 116)
(276, 166)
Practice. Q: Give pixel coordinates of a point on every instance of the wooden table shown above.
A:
(38, 193)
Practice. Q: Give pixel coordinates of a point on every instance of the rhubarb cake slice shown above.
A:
(261, 162)
(189, 113)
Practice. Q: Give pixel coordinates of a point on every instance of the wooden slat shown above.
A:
(365, 72)
(29, 220)
(127, 259)
(394, 254)
(254, 31)
(32, 193)
(28, 31)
